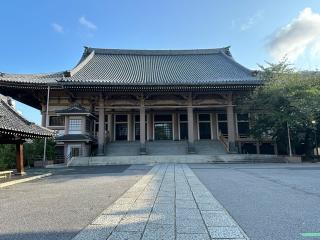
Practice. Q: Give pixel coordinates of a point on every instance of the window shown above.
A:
(56, 121)
(183, 126)
(121, 118)
(75, 151)
(243, 125)
(183, 118)
(204, 117)
(75, 126)
(223, 124)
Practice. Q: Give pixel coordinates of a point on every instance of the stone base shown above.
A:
(232, 147)
(20, 173)
(143, 149)
(191, 148)
(187, 158)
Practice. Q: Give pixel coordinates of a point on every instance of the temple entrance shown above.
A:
(121, 127)
(204, 126)
(163, 127)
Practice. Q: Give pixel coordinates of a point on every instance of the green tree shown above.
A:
(33, 150)
(7, 156)
(287, 98)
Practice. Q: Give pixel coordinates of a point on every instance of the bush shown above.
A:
(33, 150)
(7, 156)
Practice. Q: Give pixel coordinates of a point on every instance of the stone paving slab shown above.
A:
(167, 203)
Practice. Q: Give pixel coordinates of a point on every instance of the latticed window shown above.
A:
(243, 125)
(223, 123)
(75, 126)
(56, 121)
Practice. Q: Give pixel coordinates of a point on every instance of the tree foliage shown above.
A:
(287, 98)
(33, 150)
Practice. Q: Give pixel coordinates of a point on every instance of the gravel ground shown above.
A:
(58, 207)
(269, 201)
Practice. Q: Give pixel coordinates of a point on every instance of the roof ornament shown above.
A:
(227, 51)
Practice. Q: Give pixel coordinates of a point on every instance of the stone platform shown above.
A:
(187, 158)
(167, 203)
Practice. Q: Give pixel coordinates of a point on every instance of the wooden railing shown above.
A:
(223, 140)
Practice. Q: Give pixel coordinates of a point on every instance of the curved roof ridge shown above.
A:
(150, 52)
(84, 60)
(230, 57)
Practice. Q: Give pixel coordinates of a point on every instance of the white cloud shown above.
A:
(57, 27)
(315, 49)
(253, 20)
(88, 24)
(294, 39)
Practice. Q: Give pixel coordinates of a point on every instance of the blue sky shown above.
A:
(47, 36)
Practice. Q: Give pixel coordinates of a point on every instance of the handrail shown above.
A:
(224, 141)
(69, 158)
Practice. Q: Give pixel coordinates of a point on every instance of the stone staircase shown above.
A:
(122, 148)
(209, 147)
(166, 147)
(207, 151)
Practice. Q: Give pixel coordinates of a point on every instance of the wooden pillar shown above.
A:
(43, 115)
(191, 148)
(20, 159)
(275, 147)
(101, 132)
(110, 127)
(195, 126)
(130, 127)
(258, 147)
(214, 134)
(231, 129)
(149, 127)
(142, 129)
(175, 126)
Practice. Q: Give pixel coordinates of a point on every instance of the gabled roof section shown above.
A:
(75, 109)
(159, 67)
(12, 123)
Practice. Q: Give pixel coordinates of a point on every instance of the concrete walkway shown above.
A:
(167, 203)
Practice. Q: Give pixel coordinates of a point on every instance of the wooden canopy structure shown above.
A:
(14, 129)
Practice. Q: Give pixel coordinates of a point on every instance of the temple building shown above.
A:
(142, 98)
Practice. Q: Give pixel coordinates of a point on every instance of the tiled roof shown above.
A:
(75, 137)
(11, 122)
(160, 67)
(74, 109)
(147, 67)
(32, 78)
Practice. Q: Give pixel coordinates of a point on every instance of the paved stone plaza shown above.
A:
(167, 203)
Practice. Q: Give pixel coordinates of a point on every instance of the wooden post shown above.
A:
(143, 149)
(175, 126)
(101, 133)
(20, 159)
(149, 127)
(110, 127)
(130, 127)
(191, 148)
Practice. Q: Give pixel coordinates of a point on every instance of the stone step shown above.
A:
(191, 158)
(122, 148)
(209, 147)
(166, 148)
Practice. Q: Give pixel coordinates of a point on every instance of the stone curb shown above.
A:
(6, 184)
